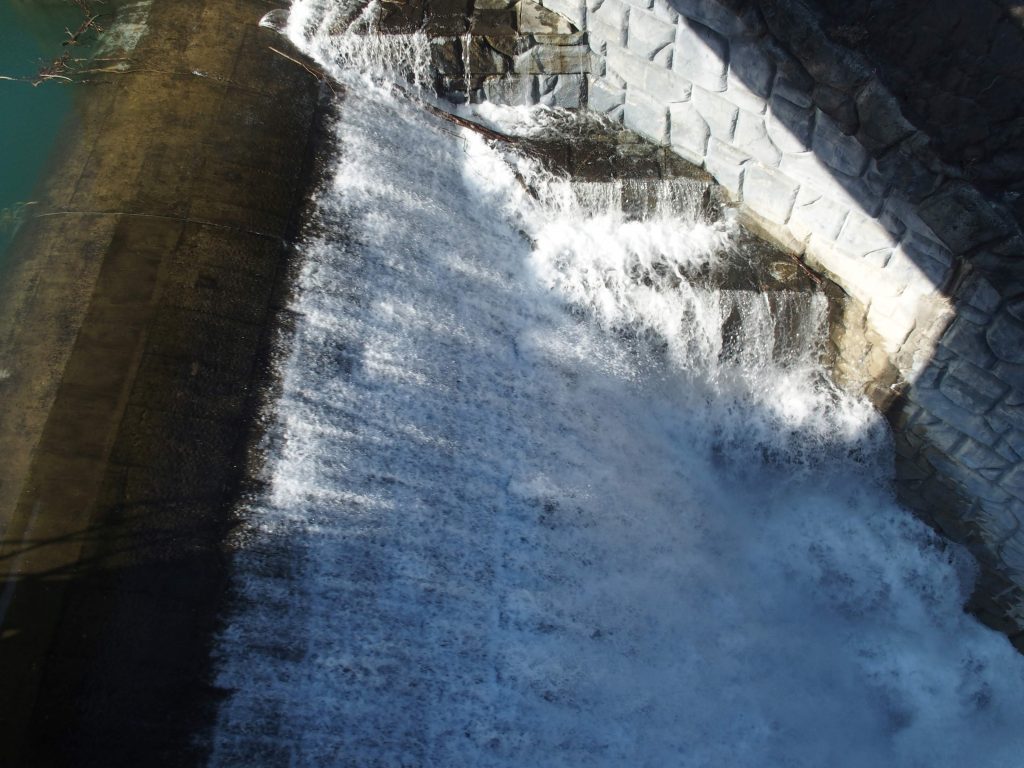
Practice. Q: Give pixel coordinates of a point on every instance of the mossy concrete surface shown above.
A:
(133, 336)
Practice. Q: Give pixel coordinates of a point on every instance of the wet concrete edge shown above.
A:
(154, 280)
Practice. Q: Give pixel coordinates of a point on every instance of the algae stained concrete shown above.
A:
(134, 336)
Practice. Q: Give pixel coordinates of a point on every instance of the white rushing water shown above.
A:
(534, 500)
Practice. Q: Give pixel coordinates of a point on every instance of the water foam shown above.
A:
(529, 505)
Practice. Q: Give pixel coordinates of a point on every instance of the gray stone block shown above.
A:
(1006, 338)
(749, 62)
(719, 114)
(690, 132)
(881, 120)
(555, 60)
(1012, 375)
(1013, 481)
(941, 407)
(976, 456)
(1015, 440)
(721, 18)
(646, 115)
(602, 96)
(648, 34)
(908, 166)
(979, 293)
(769, 193)
(789, 126)
(533, 18)
(971, 388)
(938, 433)
(568, 92)
(792, 91)
(836, 149)
(961, 217)
(1016, 307)
(814, 214)
(750, 76)
(513, 90)
(751, 137)
(701, 55)
(726, 164)
(967, 340)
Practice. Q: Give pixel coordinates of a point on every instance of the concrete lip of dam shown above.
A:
(135, 329)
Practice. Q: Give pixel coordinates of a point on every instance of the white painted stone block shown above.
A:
(835, 148)
(751, 137)
(866, 237)
(664, 10)
(641, 74)
(602, 96)
(608, 22)
(769, 193)
(574, 10)
(850, 191)
(789, 126)
(726, 164)
(815, 214)
(893, 320)
(858, 278)
(646, 115)
(689, 132)
(648, 34)
(701, 55)
(915, 272)
(719, 114)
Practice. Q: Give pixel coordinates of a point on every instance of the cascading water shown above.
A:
(534, 496)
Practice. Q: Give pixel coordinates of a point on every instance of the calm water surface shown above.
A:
(30, 118)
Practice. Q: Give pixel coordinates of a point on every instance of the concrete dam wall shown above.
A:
(891, 174)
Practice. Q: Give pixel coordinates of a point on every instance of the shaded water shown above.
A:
(536, 497)
(30, 117)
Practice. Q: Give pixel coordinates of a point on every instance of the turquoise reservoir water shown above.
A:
(30, 117)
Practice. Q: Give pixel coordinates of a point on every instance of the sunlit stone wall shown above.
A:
(818, 153)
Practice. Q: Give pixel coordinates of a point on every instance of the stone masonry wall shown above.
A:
(820, 155)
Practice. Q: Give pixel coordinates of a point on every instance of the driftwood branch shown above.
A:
(318, 74)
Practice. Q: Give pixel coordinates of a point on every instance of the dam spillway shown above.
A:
(520, 504)
(549, 469)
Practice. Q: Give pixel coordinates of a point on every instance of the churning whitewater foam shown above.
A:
(530, 502)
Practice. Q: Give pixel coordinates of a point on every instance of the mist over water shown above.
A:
(534, 497)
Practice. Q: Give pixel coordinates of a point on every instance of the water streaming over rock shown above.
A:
(537, 493)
